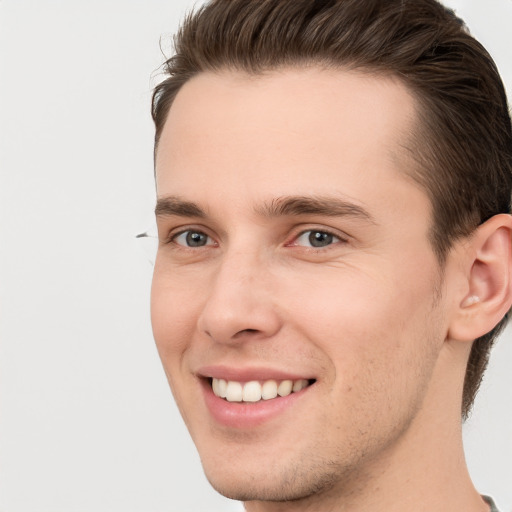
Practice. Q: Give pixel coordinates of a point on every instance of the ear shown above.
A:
(487, 290)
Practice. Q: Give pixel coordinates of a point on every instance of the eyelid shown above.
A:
(177, 236)
(178, 231)
(297, 232)
(340, 236)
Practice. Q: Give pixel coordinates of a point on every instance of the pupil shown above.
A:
(320, 239)
(196, 239)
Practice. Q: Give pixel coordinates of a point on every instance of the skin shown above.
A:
(368, 316)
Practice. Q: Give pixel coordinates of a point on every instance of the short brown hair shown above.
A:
(464, 142)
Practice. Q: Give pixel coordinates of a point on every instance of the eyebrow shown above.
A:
(173, 205)
(316, 205)
(292, 206)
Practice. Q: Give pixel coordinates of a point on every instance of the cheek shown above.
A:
(173, 325)
(172, 316)
(376, 332)
(381, 355)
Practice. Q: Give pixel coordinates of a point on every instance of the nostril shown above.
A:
(245, 332)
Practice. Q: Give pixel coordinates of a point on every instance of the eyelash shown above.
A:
(336, 238)
(173, 237)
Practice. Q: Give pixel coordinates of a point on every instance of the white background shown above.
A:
(86, 420)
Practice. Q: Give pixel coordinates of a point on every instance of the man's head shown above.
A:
(462, 143)
(330, 176)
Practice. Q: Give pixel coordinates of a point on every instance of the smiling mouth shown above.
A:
(255, 391)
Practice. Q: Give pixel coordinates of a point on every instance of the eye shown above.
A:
(317, 239)
(191, 238)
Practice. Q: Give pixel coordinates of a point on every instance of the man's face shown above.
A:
(294, 251)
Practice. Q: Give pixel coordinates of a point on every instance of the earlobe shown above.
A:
(488, 294)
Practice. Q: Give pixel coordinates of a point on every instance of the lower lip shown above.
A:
(243, 415)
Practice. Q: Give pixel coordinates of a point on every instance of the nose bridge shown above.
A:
(239, 299)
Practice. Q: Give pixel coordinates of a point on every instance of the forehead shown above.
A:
(294, 130)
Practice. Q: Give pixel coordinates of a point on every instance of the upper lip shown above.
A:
(249, 373)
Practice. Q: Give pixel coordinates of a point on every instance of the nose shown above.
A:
(240, 304)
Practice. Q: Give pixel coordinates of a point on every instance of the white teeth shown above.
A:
(285, 388)
(254, 391)
(234, 391)
(298, 385)
(269, 390)
(219, 387)
(215, 387)
(222, 386)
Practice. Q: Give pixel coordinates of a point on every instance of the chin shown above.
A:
(277, 481)
(248, 489)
